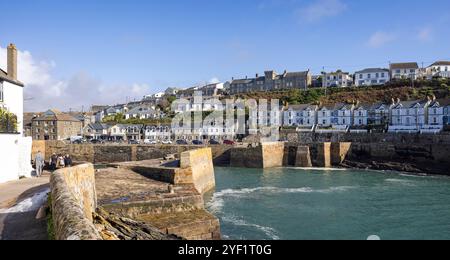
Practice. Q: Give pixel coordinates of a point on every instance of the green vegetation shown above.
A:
(8, 121)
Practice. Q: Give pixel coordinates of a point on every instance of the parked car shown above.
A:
(228, 142)
(96, 141)
(133, 142)
(166, 142)
(182, 142)
(148, 141)
(213, 142)
(197, 142)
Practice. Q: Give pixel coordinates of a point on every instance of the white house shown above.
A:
(408, 70)
(118, 132)
(439, 69)
(301, 116)
(436, 116)
(143, 112)
(409, 116)
(15, 153)
(371, 77)
(324, 116)
(158, 133)
(337, 79)
(343, 115)
(379, 114)
(361, 115)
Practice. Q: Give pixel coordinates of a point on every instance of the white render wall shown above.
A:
(15, 157)
(13, 100)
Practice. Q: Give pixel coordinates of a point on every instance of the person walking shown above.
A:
(39, 162)
(68, 161)
(53, 161)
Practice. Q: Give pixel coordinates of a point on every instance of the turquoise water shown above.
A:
(335, 204)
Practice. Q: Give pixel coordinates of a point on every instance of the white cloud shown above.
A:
(425, 34)
(380, 39)
(321, 9)
(44, 91)
(214, 80)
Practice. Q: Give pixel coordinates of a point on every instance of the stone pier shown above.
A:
(303, 157)
(265, 155)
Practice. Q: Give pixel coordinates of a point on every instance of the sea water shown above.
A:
(294, 203)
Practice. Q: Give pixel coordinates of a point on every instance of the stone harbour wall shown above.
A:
(74, 200)
(200, 163)
(265, 155)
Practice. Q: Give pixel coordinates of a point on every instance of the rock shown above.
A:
(113, 227)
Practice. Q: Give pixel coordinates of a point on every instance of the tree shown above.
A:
(8, 121)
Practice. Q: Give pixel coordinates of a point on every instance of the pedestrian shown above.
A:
(60, 161)
(53, 161)
(68, 161)
(39, 162)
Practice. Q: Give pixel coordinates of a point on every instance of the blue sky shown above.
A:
(152, 45)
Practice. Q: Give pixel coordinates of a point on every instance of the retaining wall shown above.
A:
(73, 202)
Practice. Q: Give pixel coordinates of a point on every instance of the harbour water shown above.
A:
(293, 203)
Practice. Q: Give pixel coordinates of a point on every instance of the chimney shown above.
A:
(12, 61)
(257, 76)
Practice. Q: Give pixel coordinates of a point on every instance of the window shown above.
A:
(382, 75)
(360, 76)
(377, 75)
(369, 76)
(398, 71)
(1, 91)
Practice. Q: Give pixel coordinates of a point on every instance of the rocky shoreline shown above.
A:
(394, 166)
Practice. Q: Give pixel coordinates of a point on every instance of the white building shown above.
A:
(436, 116)
(15, 153)
(337, 79)
(324, 116)
(409, 116)
(439, 69)
(380, 114)
(118, 132)
(343, 115)
(371, 77)
(361, 115)
(409, 70)
(143, 112)
(304, 116)
(158, 133)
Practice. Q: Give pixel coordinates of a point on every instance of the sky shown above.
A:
(76, 53)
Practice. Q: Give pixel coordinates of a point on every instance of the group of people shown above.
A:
(55, 162)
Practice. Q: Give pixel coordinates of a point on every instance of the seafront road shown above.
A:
(20, 202)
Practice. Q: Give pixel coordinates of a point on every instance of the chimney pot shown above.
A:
(12, 61)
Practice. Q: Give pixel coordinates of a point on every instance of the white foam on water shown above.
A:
(29, 204)
(217, 202)
(401, 181)
(268, 231)
(316, 168)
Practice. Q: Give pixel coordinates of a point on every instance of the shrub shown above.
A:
(8, 121)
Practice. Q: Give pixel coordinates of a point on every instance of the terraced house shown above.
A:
(55, 125)
(272, 81)
(409, 116)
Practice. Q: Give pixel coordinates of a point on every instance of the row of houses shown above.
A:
(426, 116)
(367, 77)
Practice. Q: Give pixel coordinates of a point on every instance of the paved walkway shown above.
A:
(19, 203)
